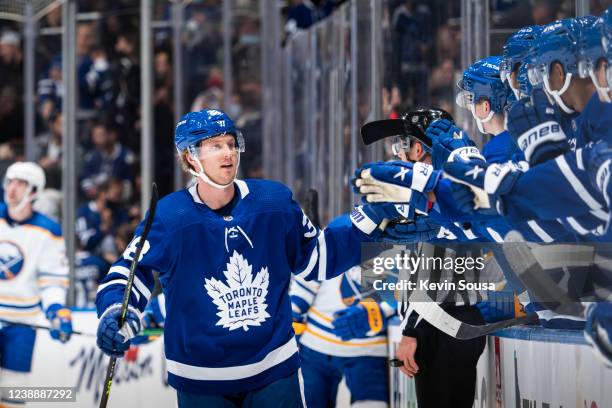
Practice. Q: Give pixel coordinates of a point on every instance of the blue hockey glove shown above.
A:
(358, 321)
(534, 124)
(113, 340)
(487, 181)
(61, 322)
(367, 218)
(499, 306)
(449, 140)
(423, 229)
(395, 182)
(598, 330)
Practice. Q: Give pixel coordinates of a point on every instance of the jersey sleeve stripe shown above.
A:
(311, 264)
(539, 231)
(322, 255)
(122, 270)
(118, 282)
(576, 184)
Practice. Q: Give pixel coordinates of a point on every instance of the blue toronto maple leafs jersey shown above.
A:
(226, 283)
(577, 204)
(595, 121)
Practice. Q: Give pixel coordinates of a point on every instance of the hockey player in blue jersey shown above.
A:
(33, 275)
(225, 250)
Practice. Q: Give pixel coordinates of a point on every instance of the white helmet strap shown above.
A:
(27, 198)
(204, 177)
(557, 94)
(480, 122)
(602, 91)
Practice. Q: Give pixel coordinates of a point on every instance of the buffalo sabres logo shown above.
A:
(242, 299)
(11, 260)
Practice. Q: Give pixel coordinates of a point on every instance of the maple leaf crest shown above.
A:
(241, 300)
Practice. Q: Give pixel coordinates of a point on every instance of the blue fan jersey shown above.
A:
(226, 283)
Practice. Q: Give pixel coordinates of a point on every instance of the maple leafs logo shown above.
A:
(242, 299)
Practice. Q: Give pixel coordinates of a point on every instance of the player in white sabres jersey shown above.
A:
(344, 336)
(225, 250)
(33, 275)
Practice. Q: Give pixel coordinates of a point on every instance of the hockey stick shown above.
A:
(374, 131)
(531, 273)
(110, 372)
(37, 326)
(435, 315)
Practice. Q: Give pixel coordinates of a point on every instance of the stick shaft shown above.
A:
(110, 372)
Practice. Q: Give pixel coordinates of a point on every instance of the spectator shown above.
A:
(303, 14)
(101, 216)
(126, 88)
(108, 158)
(413, 41)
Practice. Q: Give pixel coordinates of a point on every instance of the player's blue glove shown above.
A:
(113, 340)
(534, 124)
(368, 218)
(598, 157)
(449, 140)
(61, 322)
(395, 182)
(423, 229)
(598, 330)
(499, 306)
(486, 181)
(358, 321)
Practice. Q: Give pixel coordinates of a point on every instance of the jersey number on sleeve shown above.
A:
(130, 251)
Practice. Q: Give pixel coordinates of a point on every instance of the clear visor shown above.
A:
(218, 145)
(399, 145)
(505, 71)
(536, 74)
(464, 99)
(585, 67)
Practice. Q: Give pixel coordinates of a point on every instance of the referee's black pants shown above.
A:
(447, 366)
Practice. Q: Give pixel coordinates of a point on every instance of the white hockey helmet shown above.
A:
(29, 172)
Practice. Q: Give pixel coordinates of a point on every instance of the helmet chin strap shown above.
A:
(515, 91)
(204, 177)
(27, 198)
(480, 122)
(557, 94)
(602, 91)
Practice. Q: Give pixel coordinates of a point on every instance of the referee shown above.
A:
(444, 368)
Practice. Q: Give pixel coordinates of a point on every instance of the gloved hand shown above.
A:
(499, 306)
(359, 320)
(367, 218)
(112, 339)
(394, 182)
(598, 330)
(422, 229)
(446, 138)
(534, 124)
(60, 319)
(487, 182)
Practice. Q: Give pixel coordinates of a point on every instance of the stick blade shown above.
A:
(380, 129)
